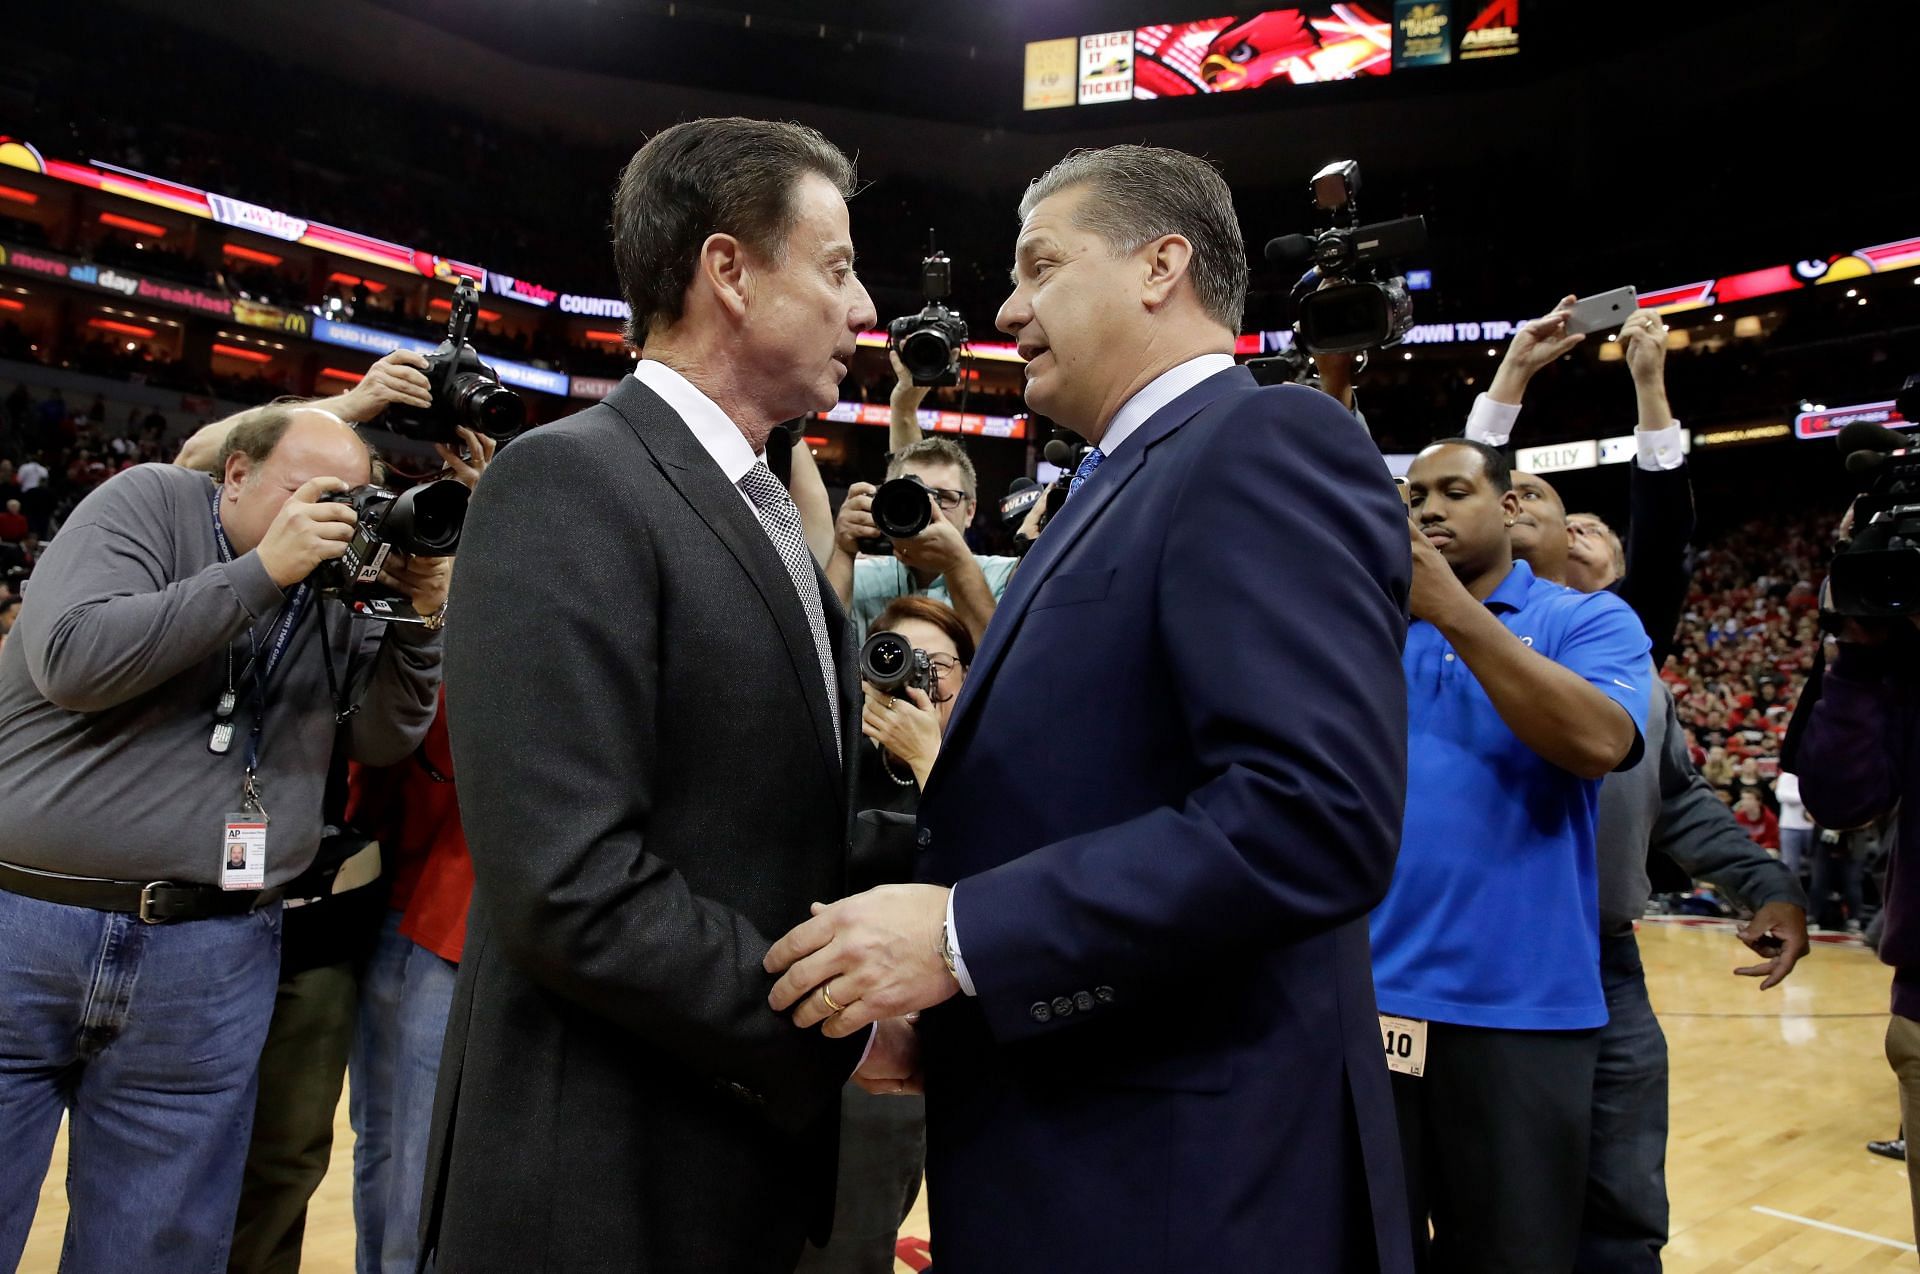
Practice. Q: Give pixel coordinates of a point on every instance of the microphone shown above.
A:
(1864, 436)
(1290, 248)
(1021, 494)
(1059, 454)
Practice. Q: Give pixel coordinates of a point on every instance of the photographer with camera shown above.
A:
(175, 684)
(932, 559)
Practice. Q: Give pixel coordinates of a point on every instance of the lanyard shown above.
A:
(262, 669)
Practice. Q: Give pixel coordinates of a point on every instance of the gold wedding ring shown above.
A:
(826, 998)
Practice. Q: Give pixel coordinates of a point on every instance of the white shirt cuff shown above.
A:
(873, 1033)
(1661, 448)
(953, 945)
(1491, 422)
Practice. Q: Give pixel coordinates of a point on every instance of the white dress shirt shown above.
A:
(1133, 413)
(1492, 423)
(713, 428)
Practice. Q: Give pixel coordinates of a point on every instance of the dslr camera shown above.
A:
(424, 521)
(466, 392)
(1876, 571)
(929, 343)
(1365, 307)
(890, 663)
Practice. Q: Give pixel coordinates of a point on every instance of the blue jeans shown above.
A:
(426, 998)
(1625, 1224)
(370, 1099)
(405, 996)
(149, 1036)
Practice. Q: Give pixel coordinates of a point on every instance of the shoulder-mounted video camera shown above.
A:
(929, 343)
(1876, 570)
(466, 392)
(1363, 306)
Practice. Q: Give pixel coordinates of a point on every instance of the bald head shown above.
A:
(274, 453)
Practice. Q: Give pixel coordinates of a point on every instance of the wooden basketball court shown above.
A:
(1773, 1099)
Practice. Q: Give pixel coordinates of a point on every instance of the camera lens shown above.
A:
(426, 521)
(486, 406)
(886, 661)
(926, 353)
(901, 509)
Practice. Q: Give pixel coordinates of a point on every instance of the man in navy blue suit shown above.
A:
(1168, 798)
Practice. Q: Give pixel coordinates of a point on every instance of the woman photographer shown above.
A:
(907, 728)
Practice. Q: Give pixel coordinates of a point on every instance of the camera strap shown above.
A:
(260, 667)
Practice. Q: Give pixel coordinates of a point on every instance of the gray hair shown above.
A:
(1139, 193)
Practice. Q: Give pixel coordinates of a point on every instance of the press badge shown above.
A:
(243, 852)
(1405, 1041)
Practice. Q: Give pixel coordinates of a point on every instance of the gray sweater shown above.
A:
(1665, 804)
(109, 681)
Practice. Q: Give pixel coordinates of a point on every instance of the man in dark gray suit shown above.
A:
(649, 702)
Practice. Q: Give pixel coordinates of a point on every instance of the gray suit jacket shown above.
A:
(651, 791)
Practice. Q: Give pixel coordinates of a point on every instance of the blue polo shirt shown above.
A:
(1493, 916)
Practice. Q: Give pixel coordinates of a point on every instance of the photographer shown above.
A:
(167, 692)
(1858, 761)
(935, 563)
(1649, 575)
(395, 378)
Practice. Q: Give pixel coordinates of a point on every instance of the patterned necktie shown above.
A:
(781, 519)
(1088, 464)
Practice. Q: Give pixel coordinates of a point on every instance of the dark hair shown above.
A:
(928, 611)
(708, 176)
(1499, 470)
(1139, 193)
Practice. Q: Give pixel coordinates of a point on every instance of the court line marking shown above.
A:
(1836, 1229)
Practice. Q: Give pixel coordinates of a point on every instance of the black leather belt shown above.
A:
(155, 902)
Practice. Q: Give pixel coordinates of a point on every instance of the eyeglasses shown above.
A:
(949, 499)
(945, 670)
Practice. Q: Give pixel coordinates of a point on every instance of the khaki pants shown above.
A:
(1903, 1054)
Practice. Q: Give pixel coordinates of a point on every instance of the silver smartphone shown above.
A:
(1603, 312)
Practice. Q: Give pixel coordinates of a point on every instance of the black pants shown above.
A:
(883, 1151)
(1626, 1218)
(1494, 1136)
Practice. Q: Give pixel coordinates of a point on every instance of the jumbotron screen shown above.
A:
(1306, 44)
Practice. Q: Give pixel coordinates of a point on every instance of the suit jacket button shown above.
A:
(1104, 994)
(1040, 1012)
(1083, 1002)
(1063, 1007)
(925, 838)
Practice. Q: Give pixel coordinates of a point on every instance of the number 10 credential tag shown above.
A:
(1405, 1041)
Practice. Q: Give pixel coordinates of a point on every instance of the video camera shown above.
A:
(929, 343)
(1876, 570)
(466, 392)
(1362, 310)
(890, 663)
(424, 521)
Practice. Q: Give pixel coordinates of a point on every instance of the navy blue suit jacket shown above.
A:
(1170, 794)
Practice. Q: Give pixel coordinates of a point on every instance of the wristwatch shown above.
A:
(435, 622)
(946, 950)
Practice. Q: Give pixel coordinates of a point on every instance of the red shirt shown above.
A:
(411, 808)
(13, 526)
(1764, 830)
